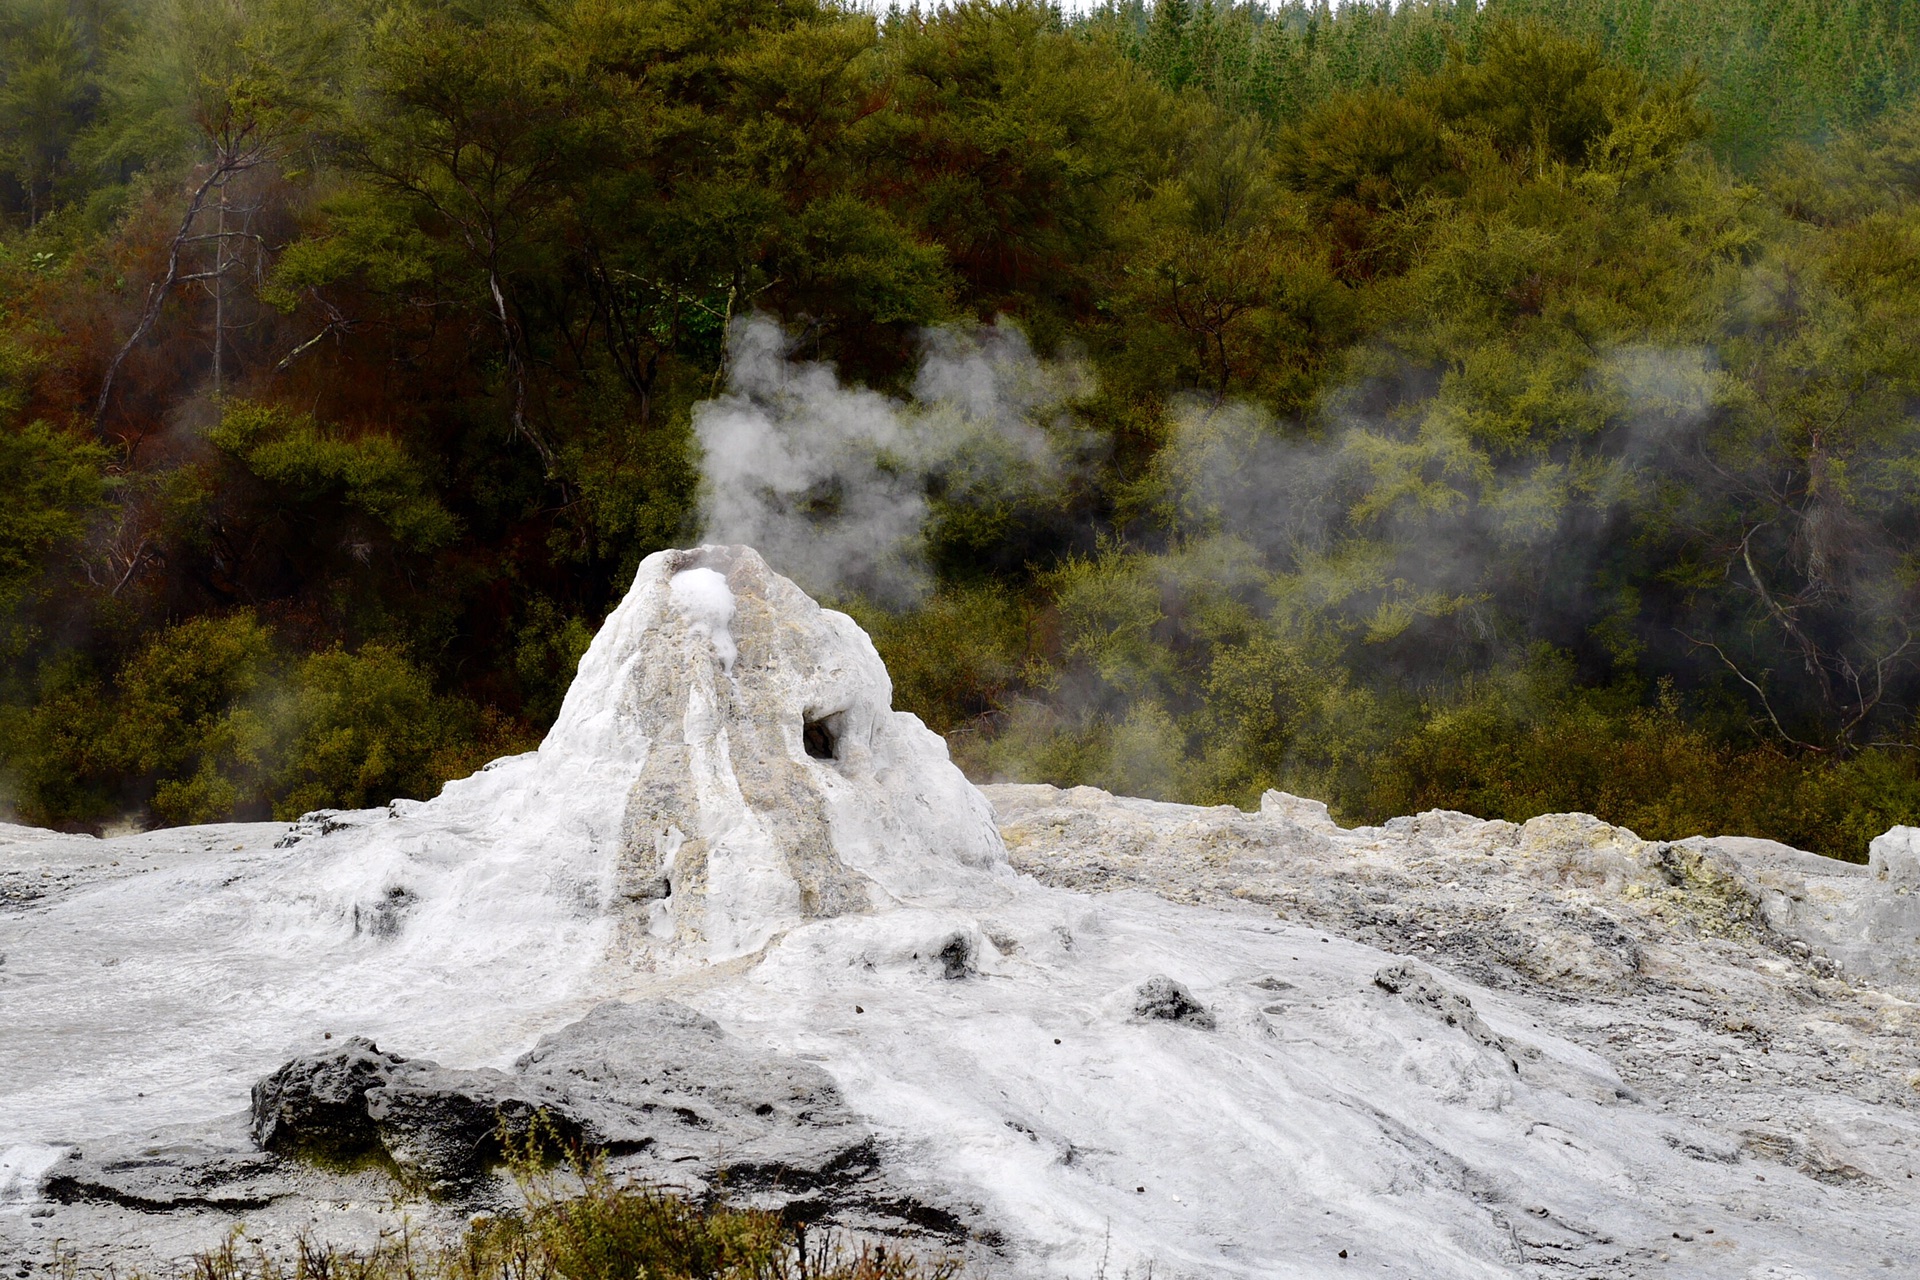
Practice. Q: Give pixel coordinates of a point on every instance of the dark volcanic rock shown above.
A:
(657, 1077)
(184, 1175)
(1161, 999)
(444, 1129)
(441, 1128)
(653, 1079)
(317, 1105)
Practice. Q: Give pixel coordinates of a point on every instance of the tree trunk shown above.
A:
(220, 294)
(157, 291)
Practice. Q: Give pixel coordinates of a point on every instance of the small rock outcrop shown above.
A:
(1421, 989)
(442, 1129)
(169, 1176)
(651, 1080)
(656, 1078)
(317, 1105)
(1161, 999)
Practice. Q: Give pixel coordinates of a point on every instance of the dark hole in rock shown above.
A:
(956, 957)
(821, 737)
(383, 917)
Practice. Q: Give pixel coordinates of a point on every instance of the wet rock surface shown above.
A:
(44, 867)
(1744, 998)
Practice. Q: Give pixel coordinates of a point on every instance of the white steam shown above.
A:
(704, 596)
(831, 483)
(1432, 507)
(1395, 502)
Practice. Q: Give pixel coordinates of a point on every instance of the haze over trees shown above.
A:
(1507, 409)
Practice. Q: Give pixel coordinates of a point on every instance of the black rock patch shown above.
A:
(1161, 999)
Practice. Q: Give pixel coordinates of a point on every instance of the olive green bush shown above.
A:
(210, 720)
(592, 1229)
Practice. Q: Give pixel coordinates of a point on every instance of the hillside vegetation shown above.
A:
(1508, 409)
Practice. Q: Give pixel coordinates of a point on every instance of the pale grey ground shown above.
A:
(1764, 992)
(1725, 981)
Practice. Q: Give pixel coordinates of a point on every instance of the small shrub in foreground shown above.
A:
(605, 1231)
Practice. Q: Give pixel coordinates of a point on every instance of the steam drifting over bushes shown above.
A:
(833, 482)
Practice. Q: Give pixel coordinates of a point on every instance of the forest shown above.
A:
(1510, 407)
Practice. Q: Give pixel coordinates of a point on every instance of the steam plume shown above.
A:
(830, 483)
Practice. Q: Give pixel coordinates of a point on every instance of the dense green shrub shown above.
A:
(370, 472)
(192, 714)
(60, 753)
(210, 720)
(368, 726)
(53, 481)
(957, 657)
(1530, 742)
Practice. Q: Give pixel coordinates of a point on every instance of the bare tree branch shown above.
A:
(1747, 680)
(156, 292)
(337, 322)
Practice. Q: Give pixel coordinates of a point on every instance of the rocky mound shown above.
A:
(667, 1091)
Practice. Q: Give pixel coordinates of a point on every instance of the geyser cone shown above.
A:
(674, 816)
(776, 782)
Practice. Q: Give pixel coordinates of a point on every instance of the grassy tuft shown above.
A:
(601, 1231)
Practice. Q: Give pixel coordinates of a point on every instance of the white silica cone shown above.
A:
(777, 784)
(672, 817)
